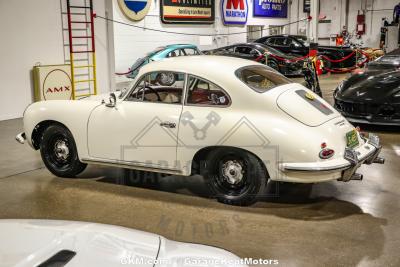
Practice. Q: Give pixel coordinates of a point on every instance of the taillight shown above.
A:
(326, 153)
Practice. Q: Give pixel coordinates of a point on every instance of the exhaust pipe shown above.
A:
(357, 177)
(379, 160)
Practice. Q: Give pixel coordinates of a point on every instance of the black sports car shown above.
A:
(372, 96)
(275, 59)
(298, 45)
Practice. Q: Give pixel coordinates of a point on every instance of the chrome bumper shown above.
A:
(351, 156)
(21, 137)
(352, 162)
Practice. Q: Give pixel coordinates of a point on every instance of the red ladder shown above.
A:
(81, 44)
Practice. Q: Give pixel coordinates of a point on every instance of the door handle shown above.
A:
(167, 124)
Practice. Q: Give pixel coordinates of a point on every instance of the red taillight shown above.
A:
(326, 153)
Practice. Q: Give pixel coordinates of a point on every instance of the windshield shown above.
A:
(261, 78)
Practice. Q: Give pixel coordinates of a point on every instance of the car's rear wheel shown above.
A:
(234, 176)
(59, 153)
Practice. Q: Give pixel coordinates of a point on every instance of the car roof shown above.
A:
(206, 66)
(197, 63)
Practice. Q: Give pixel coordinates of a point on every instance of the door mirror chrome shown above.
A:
(112, 101)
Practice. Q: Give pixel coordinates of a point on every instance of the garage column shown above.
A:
(313, 35)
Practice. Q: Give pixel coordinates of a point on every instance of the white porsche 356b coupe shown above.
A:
(236, 122)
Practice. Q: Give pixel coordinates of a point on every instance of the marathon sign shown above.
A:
(234, 11)
(270, 8)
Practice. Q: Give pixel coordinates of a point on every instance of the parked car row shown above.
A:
(299, 46)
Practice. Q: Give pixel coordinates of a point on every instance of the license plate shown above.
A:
(352, 139)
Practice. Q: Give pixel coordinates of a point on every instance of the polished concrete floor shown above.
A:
(328, 224)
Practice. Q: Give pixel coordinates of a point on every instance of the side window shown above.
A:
(292, 43)
(205, 93)
(161, 87)
(190, 52)
(243, 50)
(174, 53)
(280, 41)
(270, 41)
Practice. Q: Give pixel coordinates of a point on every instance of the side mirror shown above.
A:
(113, 101)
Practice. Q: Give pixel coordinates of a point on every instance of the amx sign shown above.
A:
(234, 11)
(271, 8)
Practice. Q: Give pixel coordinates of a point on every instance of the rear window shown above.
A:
(260, 78)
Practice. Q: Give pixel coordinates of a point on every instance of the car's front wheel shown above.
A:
(235, 177)
(59, 153)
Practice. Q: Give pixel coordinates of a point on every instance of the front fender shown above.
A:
(72, 114)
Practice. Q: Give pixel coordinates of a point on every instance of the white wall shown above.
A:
(131, 43)
(335, 10)
(31, 33)
(373, 19)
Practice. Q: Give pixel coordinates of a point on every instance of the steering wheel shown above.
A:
(214, 99)
(151, 89)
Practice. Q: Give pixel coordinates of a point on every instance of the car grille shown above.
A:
(362, 109)
(356, 108)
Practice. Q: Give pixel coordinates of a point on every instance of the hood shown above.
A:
(305, 106)
(26, 243)
(371, 86)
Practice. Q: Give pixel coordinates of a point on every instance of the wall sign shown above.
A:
(52, 82)
(187, 11)
(307, 6)
(270, 8)
(135, 9)
(234, 11)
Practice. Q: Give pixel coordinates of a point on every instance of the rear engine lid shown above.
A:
(305, 106)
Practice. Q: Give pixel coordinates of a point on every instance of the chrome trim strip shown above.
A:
(323, 169)
(130, 165)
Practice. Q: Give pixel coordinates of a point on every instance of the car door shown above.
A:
(143, 128)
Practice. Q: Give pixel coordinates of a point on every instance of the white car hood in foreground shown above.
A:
(26, 243)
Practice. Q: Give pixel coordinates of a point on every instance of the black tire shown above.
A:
(245, 191)
(59, 153)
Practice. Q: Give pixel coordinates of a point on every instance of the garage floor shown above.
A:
(329, 224)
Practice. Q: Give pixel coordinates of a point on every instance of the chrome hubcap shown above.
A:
(232, 171)
(61, 150)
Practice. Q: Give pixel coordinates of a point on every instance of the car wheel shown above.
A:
(234, 176)
(59, 152)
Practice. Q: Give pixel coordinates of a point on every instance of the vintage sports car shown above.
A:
(236, 122)
(162, 52)
(373, 95)
(53, 243)
(298, 45)
(275, 59)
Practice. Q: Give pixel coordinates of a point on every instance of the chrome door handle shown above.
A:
(167, 124)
